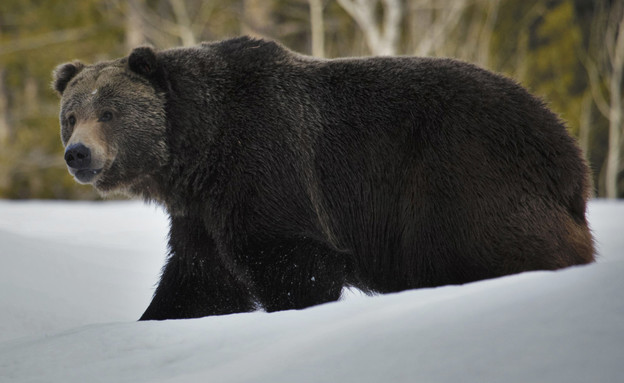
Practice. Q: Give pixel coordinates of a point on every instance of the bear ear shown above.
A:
(64, 73)
(143, 61)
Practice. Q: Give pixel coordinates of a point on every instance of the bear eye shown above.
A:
(106, 116)
(71, 120)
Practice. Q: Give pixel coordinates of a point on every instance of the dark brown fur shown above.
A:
(287, 177)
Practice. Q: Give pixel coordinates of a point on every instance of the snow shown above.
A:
(74, 277)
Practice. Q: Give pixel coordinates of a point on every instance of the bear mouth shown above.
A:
(86, 176)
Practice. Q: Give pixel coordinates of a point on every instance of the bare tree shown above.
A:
(31, 102)
(453, 28)
(257, 17)
(606, 71)
(185, 26)
(135, 26)
(5, 123)
(585, 122)
(381, 35)
(318, 28)
(433, 26)
(487, 31)
(431, 22)
(165, 22)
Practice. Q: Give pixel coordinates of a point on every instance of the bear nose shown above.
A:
(78, 156)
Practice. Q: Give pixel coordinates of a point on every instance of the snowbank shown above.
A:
(75, 276)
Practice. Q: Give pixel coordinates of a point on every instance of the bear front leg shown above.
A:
(195, 282)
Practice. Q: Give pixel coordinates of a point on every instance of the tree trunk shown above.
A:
(257, 17)
(135, 29)
(31, 96)
(487, 31)
(5, 120)
(586, 123)
(185, 30)
(614, 150)
(317, 27)
(615, 114)
(585, 128)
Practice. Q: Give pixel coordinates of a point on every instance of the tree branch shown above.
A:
(183, 22)
(440, 28)
(381, 40)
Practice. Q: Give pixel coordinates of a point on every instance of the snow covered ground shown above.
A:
(74, 277)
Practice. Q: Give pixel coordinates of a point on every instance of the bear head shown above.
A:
(113, 122)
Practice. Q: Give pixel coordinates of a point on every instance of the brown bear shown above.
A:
(287, 178)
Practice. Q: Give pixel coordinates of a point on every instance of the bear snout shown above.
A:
(80, 163)
(78, 156)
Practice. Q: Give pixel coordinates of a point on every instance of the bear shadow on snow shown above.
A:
(287, 178)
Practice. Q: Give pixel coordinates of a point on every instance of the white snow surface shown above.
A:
(75, 276)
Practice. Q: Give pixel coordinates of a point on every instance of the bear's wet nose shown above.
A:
(78, 156)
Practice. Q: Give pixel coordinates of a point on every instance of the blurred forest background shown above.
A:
(569, 52)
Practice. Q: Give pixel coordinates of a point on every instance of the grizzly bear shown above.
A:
(287, 177)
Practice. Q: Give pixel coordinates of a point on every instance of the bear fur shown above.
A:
(287, 178)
